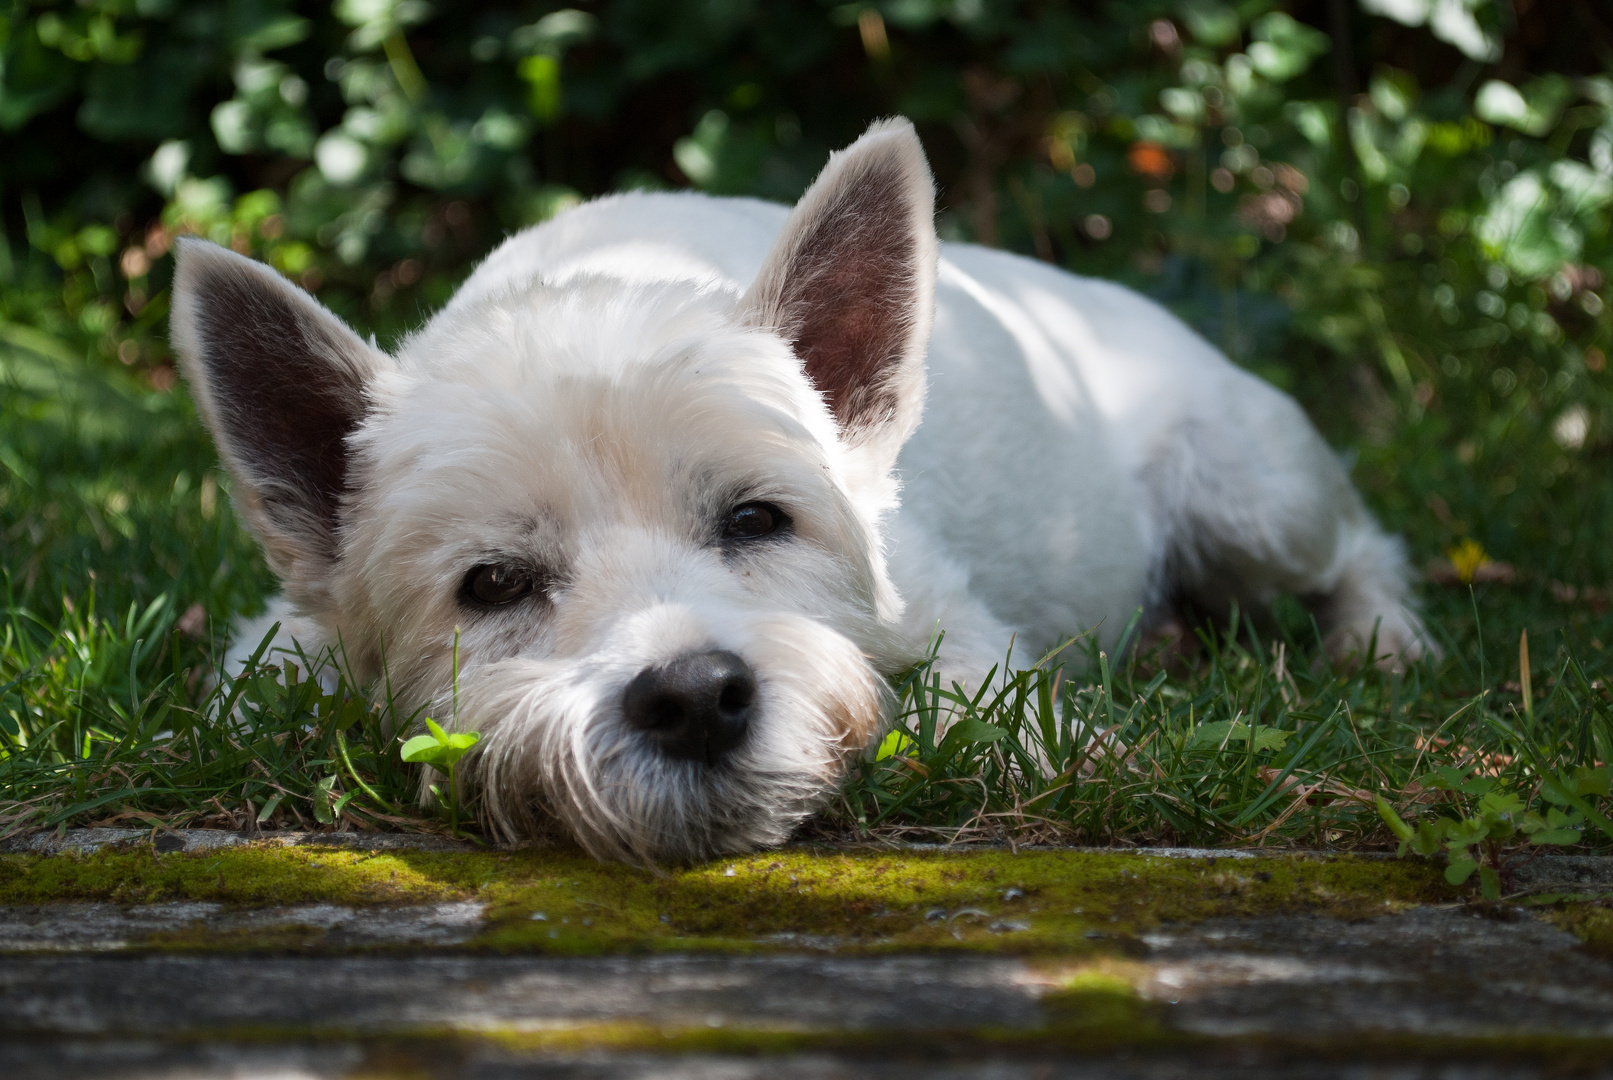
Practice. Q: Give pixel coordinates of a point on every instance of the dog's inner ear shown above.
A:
(283, 384)
(850, 282)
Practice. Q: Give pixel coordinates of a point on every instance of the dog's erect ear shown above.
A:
(850, 282)
(282, 383)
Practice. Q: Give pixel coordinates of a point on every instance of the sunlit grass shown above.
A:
(1252, 741)
(95, 730)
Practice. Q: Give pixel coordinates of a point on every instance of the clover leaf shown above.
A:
(439, 749)
(442, 751)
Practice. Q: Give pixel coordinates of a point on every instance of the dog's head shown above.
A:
(649, 514)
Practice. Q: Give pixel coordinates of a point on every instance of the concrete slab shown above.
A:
(150, 1059)
(1429, 972)
(1454, 992)
(84, 841)
(97, 927)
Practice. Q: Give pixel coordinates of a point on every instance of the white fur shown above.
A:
(606, 382)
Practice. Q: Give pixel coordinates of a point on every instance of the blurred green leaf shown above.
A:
(1222, 732)
(976, 731)
(542, 76)
(1282, 47)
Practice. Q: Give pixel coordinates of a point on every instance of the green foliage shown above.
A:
(1487, 818)
(1222, 732)
(1408, 230)
(1419, 255)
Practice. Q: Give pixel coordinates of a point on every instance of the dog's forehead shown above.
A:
(582, 322)
(595, 398)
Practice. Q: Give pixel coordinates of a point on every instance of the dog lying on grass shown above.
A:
(642, 474)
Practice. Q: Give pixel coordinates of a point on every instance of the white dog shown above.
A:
(644, 468)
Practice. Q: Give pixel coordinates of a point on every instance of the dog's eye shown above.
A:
(752, 520)
(496, 584)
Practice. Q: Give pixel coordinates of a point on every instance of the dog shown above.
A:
(673, 486)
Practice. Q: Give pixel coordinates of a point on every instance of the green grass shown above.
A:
(1255, 743)
(123, 567)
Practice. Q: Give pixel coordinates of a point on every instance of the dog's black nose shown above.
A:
(697, 707)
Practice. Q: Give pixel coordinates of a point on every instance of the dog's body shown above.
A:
(644, 465)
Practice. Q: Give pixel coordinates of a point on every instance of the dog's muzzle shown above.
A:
(696, 708)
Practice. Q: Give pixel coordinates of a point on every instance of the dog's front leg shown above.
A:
(940, 614)
(297, 640)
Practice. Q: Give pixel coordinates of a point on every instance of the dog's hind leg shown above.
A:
(1255, 505)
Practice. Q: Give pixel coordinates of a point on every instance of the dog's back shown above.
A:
(1075, 433)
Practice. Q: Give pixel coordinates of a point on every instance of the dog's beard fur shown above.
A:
(555, 731)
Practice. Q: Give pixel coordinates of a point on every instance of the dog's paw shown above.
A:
(1394, 639)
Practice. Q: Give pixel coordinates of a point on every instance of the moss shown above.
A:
(1098, 1003)
(239, 875)
(1590, 920)
(1032, 902)
(950, 1043)
(1044, 902)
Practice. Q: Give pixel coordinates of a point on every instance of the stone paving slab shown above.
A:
(84, 841)
(191, 995)
(1452, 991)
(1434, 977)
(150, 1059)
(1430, 972)
(1443, 973)
(99, 927)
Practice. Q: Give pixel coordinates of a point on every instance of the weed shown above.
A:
(442, 751)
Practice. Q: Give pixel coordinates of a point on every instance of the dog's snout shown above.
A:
(697, 707)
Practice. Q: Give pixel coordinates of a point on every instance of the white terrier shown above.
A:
(645, 466)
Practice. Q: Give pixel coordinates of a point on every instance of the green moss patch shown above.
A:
(1044, 902)
(256, 876)
(1100, 1031)
(1590, 919)
(1032, 902)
